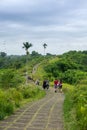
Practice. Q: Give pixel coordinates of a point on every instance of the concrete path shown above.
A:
(45, 114)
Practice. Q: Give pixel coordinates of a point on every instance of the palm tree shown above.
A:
(26, 46)
(44, 45)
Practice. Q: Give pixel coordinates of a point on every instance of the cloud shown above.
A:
(58, 23)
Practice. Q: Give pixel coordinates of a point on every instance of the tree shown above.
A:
(27, 45)
(3, 54)
(34, 53)
(44, 45)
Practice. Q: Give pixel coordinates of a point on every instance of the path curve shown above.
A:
(44, 114)
(35, 68)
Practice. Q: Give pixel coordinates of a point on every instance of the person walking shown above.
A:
(60, 86)
(55, 85)
(45, 84)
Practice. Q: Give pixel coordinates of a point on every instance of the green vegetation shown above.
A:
(44, 45)
(13, 98)
(13, 90)
(75, 106)
(9, 78)
(69, 109)
(71, 67)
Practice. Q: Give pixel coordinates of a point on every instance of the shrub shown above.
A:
(9, 79)
(80, 102)
(31, 92)
(15, 96)
(6, 107)
(74, 76)
(75, 107)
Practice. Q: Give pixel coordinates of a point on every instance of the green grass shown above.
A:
(75, 107)
(14, 98)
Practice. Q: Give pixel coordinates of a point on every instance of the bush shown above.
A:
(15, 96)
(6, 107)
(9, 79)
(31, 92)
(69, 110)
(74, 76)
(75, 107)
(80, 102)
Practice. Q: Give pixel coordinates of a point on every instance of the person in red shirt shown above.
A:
(56, 84)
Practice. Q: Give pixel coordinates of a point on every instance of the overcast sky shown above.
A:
(61, 24)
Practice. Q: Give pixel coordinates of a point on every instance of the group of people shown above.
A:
(58, 85)
(45, 84)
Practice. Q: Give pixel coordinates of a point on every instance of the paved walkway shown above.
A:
(45, 114)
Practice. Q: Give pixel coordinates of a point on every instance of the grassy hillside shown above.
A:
(71, 67)
(14, 91)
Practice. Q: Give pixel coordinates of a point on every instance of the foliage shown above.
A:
(13, 98)
(78, 57)
(2, 54)
(27, 45)
(8, 78)
(73, 76)
(75, 106)
(44, 45)
(71, 67)
(35, 54)
(18, 62)
(6, 107)
(80, 102)
(69, 111)
(29, 92)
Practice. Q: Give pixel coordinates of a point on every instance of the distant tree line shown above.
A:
(16, 61)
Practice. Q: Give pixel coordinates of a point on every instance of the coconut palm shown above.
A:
(26, 46)
(44, 45)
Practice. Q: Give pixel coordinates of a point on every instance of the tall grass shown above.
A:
(13, 98)
(75, 106)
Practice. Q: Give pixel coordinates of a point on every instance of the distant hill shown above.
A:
(71, 67)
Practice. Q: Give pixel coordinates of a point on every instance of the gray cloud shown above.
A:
(60, 23)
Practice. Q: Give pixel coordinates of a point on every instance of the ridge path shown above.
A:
(44, 114)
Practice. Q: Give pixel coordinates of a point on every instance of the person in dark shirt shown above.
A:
(60, 85)
(45, 84)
